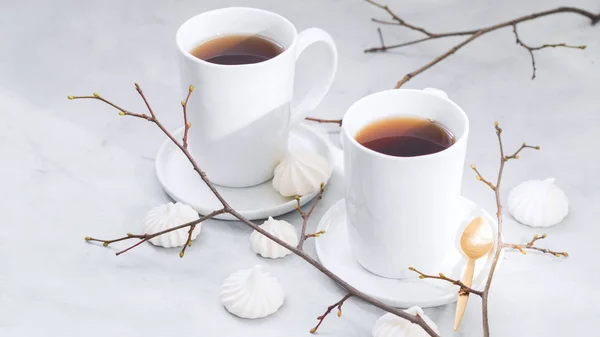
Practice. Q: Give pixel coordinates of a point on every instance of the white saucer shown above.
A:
(334, 253)
(183, 184)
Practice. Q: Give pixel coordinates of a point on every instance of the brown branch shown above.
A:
(319, 120)
(464, 289)
(532, 49)
(316, 234)
(416, 319)
(139, 90)
(188, 242)
(384, 48)
(516, 154)
(122, 112)
(381, 38)
(145, 237)
(398, 19)
(186, 125)
(473, 34)
(481, 178)
(500, 244)
(531, 246)
(337, 305)
(306, 216)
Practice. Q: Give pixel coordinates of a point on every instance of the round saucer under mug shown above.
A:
(182, 183)
(333, 250)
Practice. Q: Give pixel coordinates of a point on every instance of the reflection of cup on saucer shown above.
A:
(241, 114)
(401, 210)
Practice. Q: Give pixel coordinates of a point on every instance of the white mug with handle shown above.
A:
(241, 114)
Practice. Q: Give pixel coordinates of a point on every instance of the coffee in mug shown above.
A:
(237, 49)
(405, 136)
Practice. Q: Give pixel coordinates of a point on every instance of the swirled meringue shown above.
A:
(390, 325)
(269, 248)
(301, 173)
(167, 216)
(252, 293)
(538, 203)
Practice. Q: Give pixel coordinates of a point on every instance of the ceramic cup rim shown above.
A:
(232, 10)
(398, 93)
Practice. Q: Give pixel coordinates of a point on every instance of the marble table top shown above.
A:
(70, 170)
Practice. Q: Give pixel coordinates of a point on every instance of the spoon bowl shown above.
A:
(476, 241)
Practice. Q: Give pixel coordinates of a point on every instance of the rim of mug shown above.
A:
(191, 57)
(461, 140)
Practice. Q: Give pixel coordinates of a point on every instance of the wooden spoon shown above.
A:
(476, 241)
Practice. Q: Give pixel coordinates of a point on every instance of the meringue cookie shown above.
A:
(538, 203)
(252, 293)
(268, 248)
(390, 325)
(301, 173)
(167, 216)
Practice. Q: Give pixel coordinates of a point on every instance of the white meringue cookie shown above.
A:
(268, 248)
(167, 216)
(252, 293)
(301, 173)
(390, 325)
(538, 203)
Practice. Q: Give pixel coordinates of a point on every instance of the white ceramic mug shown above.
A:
(241, 115)
(400, 209)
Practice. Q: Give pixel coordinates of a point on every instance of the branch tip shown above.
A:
(71, 98)
(191, 88)
(87, 238)
(181, 254)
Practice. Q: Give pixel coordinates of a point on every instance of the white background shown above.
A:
(72, 169)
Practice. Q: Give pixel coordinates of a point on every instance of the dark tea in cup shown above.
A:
(405, 136)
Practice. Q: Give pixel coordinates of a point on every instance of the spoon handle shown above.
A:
(461, 304)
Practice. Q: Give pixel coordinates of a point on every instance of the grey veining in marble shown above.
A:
(72, 169)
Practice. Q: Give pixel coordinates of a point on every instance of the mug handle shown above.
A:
(316, 94)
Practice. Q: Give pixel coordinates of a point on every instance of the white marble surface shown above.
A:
(72, 169)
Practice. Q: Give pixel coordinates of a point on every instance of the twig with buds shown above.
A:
(531, 246)
(472, 35)
(306, 215)
(337, 305)
(463, 287)
(416, 319)
(484, 294)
